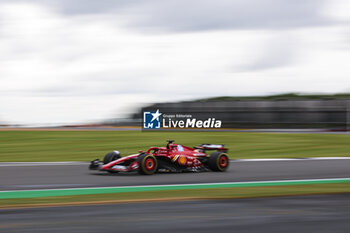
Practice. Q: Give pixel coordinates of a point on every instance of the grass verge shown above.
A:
(220, 193)
(34, 146)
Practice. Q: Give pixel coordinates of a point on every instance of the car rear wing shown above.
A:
(218, 147)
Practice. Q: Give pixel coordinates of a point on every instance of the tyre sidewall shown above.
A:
(142, 164)
(214, 161)
(111, 156)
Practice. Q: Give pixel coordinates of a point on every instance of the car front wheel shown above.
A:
(147, 164)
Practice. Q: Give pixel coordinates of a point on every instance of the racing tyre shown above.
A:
(147, 164)
(218, 161)
(110, 157)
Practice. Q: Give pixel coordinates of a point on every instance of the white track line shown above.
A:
(290, 159)
(264, 160)
(329, 158)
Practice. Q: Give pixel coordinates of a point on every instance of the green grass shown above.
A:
(28, 146)
(221, 193)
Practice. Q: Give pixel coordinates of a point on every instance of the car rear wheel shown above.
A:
(147, 164)
(218, 161)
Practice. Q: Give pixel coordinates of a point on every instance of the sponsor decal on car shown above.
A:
(182, 160)
(175, 158)
(119, 167)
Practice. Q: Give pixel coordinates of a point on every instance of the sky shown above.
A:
(64, 61)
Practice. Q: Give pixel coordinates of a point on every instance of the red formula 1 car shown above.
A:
(172, 158)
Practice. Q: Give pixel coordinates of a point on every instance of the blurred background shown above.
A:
(82, 62)
(287, 111)
(75, 77)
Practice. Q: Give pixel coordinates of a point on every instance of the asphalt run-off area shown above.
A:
(311, 214)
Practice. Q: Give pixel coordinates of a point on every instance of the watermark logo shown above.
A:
(152, 120)
(158, 120)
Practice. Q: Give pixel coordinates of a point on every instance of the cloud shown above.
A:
(198, 15)
(62, 63)
(278, 50)
(183, 15)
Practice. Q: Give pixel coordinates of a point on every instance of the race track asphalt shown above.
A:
(321, 214)
(311, 214)
(77, 176)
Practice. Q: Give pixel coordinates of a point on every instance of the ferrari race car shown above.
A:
(172, 158)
